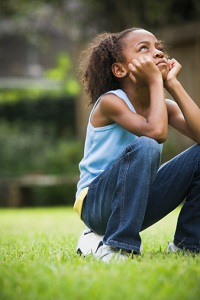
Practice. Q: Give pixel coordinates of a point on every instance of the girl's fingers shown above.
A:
(132, 77)
(174, 63)
(136, 63)
(133, 67)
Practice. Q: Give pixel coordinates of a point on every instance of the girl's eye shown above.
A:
(143, 48)
(160, 49)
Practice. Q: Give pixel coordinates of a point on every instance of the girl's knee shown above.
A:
(192, 153)
(149, 145)
(196, 150)
(147, 149)
(148, 141)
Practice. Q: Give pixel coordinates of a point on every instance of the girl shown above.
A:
(122, 188)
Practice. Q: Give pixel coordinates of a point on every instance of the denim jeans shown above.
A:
(135, 192)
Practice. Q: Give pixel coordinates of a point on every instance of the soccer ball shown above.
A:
(88, 242)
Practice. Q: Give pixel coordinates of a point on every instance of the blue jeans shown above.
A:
(135, 192)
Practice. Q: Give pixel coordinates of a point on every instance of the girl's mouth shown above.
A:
(161, 62)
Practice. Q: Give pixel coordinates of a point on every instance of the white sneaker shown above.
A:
(173, 248)
(107, 253)
(88, 242)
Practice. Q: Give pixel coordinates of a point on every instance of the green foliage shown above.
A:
(89, 16)
(144, 13)
(51, 196)
(37, 137)
(63, 67)
(38, 261)
(64, 73)
(35, 150)
(11, 96)
(57, 113)
(20, 8)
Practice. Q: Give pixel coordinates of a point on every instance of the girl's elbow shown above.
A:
(161, 140)
(160, 135)
(196, 140)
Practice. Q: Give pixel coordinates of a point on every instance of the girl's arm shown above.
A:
(184, 114)
(155, 122)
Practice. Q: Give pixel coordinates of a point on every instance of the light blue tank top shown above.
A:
(102, 146)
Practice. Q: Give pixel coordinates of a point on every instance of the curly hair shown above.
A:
(96, 61)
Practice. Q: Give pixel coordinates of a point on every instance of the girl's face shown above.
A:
(143, 43)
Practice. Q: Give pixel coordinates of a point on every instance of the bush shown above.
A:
(51, 196)
(36, 150)
(55, 112)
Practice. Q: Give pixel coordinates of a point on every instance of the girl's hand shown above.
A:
(143, 70)
(174, 70)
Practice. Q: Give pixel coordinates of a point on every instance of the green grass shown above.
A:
(38, 261)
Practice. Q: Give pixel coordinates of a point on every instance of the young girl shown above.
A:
(122, 188)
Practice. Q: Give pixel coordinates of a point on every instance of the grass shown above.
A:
(38, 261)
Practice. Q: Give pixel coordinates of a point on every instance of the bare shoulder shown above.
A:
(109, 108)
(111, 103)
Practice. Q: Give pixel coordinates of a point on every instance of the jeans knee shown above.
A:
(147, 152)
(196, 151)
(149, 147)
(193, 155)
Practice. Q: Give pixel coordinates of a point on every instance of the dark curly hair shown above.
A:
(96, 61)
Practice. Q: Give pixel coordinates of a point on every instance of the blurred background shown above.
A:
(43, 110)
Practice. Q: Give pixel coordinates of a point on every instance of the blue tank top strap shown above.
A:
(119, 93)
(94, 107)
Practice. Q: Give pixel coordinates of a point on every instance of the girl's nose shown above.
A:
(158, 53)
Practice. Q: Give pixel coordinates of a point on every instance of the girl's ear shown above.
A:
(119, 70)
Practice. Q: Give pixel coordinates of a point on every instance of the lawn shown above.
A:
(38, 261)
